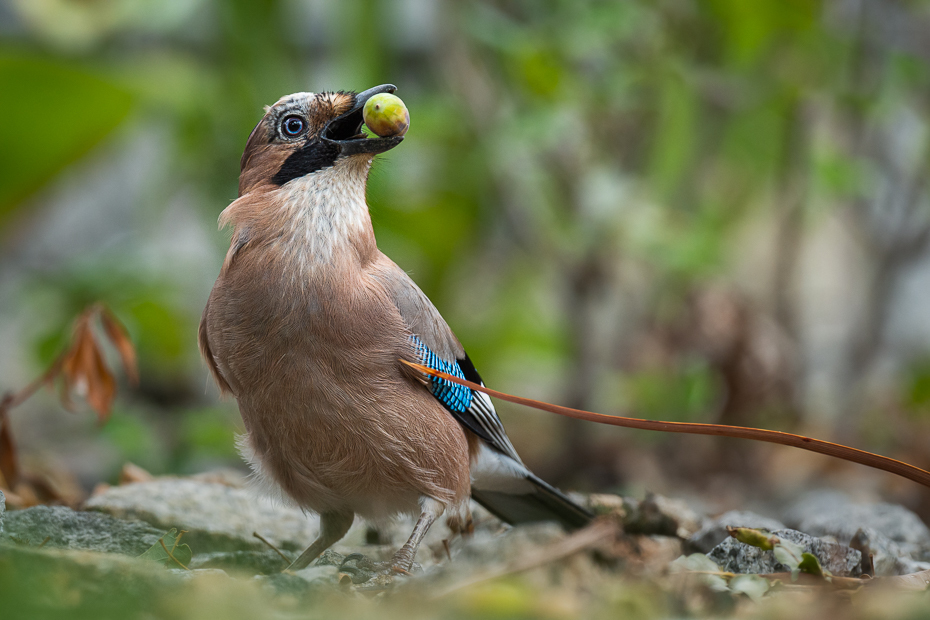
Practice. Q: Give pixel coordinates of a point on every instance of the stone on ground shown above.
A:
(735, 557)
(714, 531)
(218, 517)
(831, 513)
(70, 529)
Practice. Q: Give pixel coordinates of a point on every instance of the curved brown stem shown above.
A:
(836, 450)
(15, 399)
(9, 462)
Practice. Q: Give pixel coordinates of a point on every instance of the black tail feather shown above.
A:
(544, 503)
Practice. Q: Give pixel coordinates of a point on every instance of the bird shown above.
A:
(308, 326)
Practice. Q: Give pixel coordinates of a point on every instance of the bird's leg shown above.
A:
(403, 559)
(333, 526)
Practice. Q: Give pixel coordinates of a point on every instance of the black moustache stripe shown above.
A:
(310, 158)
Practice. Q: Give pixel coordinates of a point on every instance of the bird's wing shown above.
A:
(437, 347)
(500, 481)
(473, 409)
(207, 352)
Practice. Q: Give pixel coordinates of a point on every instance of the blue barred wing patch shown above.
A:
(456, 398)
(473, 409)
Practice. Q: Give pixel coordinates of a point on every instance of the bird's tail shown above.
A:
(543, 502)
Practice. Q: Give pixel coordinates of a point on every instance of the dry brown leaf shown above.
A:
(101, 390)
(74, 362)
(9, 468)
(84, 370)
(24, 496)
(914, 581)
(47, 491)
(132, 473)
(13, 501)
(118, 335)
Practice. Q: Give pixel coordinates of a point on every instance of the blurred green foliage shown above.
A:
(684, 396)
(54, 112)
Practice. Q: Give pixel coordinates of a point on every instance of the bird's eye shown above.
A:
(292, 126)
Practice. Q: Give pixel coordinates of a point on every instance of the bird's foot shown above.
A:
(364, 570)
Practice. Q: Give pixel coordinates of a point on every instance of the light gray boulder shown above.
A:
(217, 517)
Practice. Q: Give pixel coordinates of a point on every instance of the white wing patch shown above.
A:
(493, 471)
(485, 414)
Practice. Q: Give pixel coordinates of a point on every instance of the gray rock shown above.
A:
(830, 513)
(242, 561)
(736, 557)
(888, 557)
(484, 548)
(217, 517)
(356, 569)
(70, 529)
(477, 553)
(302, 582)
(2, 510)
(195, 573)
(653, 515)
(318, 575)
(714, 531)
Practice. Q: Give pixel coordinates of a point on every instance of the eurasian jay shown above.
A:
(307, 325)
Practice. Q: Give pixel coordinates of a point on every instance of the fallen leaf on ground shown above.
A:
(168, 551)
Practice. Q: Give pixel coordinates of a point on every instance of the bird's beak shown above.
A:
(345, 131)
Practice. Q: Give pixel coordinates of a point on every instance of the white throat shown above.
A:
(324, 211)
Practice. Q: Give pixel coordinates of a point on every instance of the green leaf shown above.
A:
(700, 563)
(673, 145)
(51, 113)
(167, 548)
(789, 554)
(756, 538)
(694, 562)
(752, 586)
(811, 565)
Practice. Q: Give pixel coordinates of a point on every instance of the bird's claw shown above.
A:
(353, 557)
(362, 570)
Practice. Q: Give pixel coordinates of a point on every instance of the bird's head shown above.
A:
(307, 132)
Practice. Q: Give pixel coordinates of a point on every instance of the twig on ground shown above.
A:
(171, 555)
(820, 446)
(276, 550)
(599, 531)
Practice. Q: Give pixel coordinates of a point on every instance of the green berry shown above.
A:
(386, 115)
